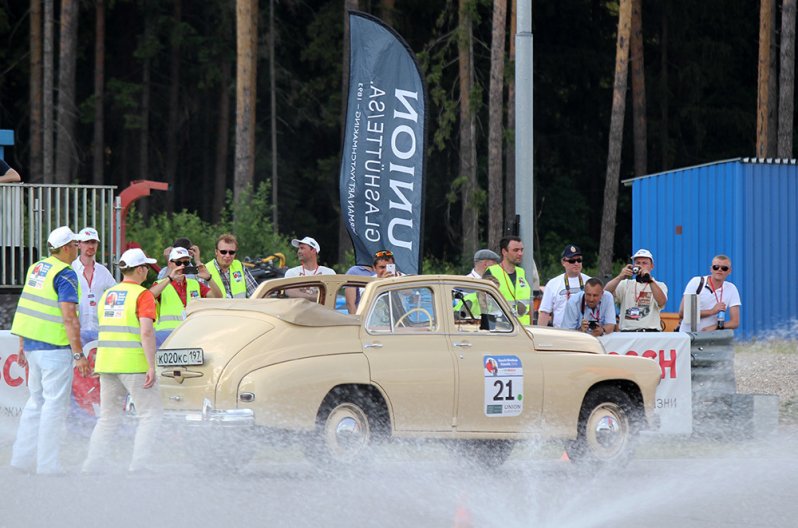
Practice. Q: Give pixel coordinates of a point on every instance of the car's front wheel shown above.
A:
(607, 428)
(348, 424)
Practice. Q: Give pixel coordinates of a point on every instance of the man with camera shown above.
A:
(591, 311)
(176, 289)
(640, 296)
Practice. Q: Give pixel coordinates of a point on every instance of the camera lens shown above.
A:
(636, 269)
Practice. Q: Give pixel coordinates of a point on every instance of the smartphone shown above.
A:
(390, 268)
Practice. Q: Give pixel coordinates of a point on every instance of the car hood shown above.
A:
(556, 339)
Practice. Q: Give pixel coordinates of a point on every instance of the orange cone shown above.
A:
(564, 457)
(462, 515)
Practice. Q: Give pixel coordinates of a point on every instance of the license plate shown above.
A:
(179, 356)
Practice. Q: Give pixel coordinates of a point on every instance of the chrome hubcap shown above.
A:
(607, 431)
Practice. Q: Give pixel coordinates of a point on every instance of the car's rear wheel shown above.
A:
(348, 424)
(607, 428)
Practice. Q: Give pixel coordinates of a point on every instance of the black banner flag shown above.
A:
(382, 163)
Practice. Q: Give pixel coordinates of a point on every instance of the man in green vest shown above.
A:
(176, 290)
(232, 278)
(126, 365)
(509, 276)
(48, 327)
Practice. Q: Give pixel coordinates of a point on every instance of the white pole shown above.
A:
(524, 200)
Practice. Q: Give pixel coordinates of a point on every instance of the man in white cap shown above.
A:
(307, 251)
(94, 279)
(640, 296)
(483, 259)
(176, 290)
(126, 365)
(48, 327)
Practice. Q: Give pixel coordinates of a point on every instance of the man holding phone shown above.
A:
(591, 311)
(385, 265)
(175, 291)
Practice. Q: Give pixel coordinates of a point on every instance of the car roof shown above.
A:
(333, 282)
(299, 312)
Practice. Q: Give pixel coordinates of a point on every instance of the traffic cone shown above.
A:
(564, 457)
(462, 515)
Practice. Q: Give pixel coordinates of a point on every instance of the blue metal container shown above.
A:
(745, 208)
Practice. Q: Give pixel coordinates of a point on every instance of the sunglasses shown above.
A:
(227, 251)
(715, 267)
(573, 260)
(383, 253)
(181, 262)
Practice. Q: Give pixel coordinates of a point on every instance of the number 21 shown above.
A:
(501, 385)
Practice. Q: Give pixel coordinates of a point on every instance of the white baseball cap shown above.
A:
(178, 253)
(309, 241)
(61, 236)
(88, 233)
(134, 257)
(643, 253)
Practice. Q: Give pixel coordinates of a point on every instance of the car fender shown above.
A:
(288, 395)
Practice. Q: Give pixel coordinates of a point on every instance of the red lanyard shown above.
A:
(638, 295)
(715, 291)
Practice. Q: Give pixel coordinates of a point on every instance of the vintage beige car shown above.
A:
(431, 356)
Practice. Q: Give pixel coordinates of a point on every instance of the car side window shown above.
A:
(478, 310)
(404, 311)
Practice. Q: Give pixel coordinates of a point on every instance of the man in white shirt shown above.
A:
(558, 290)
(716, 295)
(640, 296)
(307, 251)
(94, 279)
(483, 259)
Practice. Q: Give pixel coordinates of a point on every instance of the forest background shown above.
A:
(165, 93)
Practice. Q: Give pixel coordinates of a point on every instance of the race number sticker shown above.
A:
(504, 385)
(114, 307)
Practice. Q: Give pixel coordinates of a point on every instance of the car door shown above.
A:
(499, 375)
(410, 358)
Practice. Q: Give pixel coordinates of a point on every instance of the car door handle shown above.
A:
(373, 345)
(462, 344)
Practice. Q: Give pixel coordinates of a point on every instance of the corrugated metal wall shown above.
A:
(746, 210)
(771, 247)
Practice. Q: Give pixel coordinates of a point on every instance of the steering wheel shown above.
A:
(401, 320)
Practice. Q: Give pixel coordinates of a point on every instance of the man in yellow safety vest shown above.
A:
(48, 327)
(126, 365)
(228, 273)
(511, 278)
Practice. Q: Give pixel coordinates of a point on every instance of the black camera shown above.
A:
(592, 325)
(190, 270)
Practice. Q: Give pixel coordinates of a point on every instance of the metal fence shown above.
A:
(28, 212)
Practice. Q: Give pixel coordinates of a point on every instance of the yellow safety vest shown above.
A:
(516, 295)
(238, 283)
(171, 311)
(38, 314)
(473, 306)
(119, 349)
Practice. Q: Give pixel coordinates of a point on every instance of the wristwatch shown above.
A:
(77, 356)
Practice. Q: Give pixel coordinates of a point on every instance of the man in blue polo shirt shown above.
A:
(48, 327)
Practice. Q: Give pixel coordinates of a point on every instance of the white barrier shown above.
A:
(13, 386)
(671, 350)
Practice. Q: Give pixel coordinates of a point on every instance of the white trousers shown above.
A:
(41, 426)
(114, 388)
